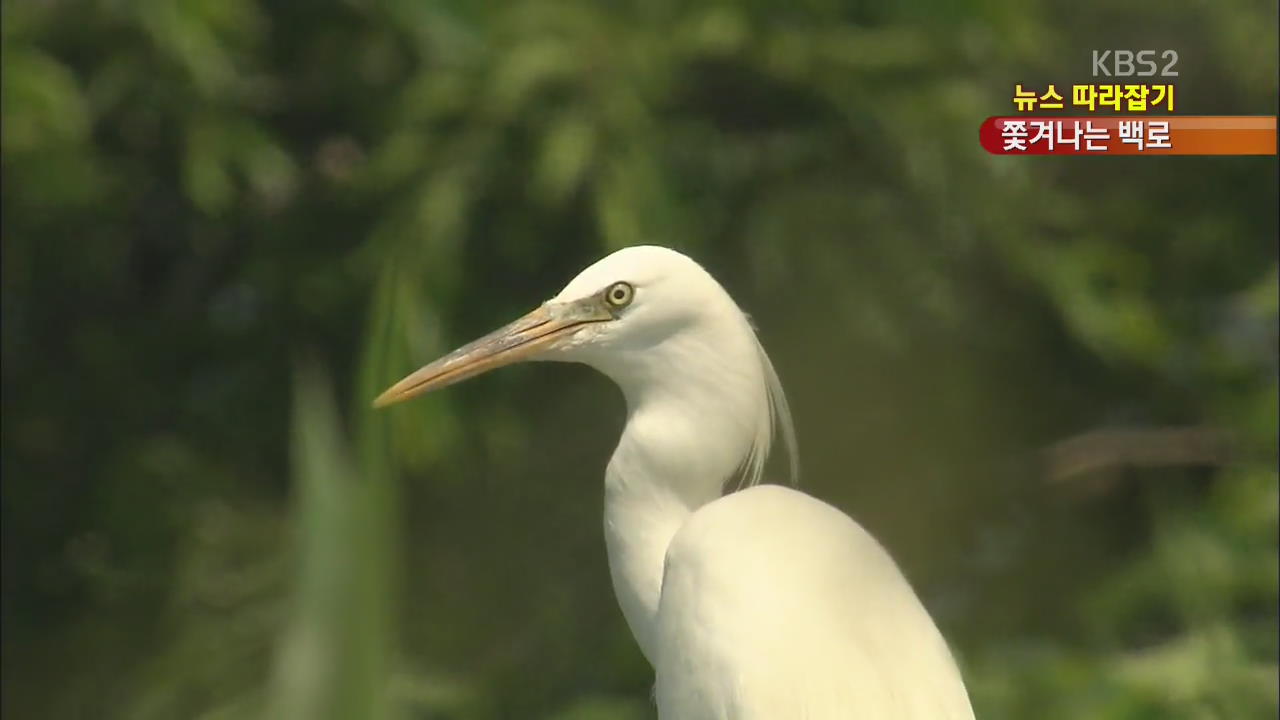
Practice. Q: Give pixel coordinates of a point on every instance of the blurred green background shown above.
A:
(1048, 385)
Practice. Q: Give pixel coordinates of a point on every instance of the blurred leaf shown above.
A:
(334, 657)
(42, 102)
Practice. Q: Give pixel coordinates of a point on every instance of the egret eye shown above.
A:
(620, 294)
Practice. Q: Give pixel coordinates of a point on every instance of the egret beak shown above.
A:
(518, 341)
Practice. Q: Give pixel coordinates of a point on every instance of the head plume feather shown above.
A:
(775, 422)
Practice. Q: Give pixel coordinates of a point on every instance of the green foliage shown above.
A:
(333, 657)
(197, 191)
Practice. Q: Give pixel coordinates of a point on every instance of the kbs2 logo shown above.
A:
(1126, 63)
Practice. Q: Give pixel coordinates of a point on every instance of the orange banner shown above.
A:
(1149, 135)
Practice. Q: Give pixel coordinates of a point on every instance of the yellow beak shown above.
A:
(513, 343)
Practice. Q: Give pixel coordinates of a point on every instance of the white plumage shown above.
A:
(764, 604)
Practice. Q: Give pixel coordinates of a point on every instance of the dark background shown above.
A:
(1048, 385)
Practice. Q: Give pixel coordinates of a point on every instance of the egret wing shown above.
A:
(776, 606)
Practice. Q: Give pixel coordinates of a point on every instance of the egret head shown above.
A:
(651, 319)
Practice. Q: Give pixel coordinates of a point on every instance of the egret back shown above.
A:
(776, 606)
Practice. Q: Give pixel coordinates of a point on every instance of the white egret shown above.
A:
(763, 604)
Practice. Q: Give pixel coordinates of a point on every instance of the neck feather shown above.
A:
(695, 420)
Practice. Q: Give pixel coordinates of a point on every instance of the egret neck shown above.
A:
(693, 421)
